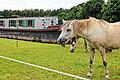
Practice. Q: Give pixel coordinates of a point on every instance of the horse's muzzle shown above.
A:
(72, 50)
(61, 41)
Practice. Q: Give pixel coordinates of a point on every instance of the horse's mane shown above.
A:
(85, 22)
(98, 20)
(104, 21)
(81, 25)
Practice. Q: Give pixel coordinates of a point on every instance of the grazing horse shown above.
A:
(74, 40)
(73, 45)
(100, 35)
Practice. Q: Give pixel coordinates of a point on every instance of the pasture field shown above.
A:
(55, 57)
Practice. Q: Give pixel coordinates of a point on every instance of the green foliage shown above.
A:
(93, 8)
(109, 11)
(62, 13)
(80, 11)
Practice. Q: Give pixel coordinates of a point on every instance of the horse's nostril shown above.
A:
(61, 41)
(64, 39)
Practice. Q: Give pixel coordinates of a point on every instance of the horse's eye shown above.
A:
(68, 30)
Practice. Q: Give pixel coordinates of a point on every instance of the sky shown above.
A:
(38, 4)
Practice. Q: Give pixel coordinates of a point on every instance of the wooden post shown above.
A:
(17, 42)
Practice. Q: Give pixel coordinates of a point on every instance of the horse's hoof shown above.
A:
(86, 51)
(107, 77)
(88, 76)
(72, 51)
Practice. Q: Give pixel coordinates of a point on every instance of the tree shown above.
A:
(111, 11)
(83, 10)
(79, 12)
(6, 13)
(93, 8)
(47, 13)
(63, 15)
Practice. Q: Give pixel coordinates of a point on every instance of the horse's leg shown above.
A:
(91, 62)
(85, 45)
(73, 46)
(108, 50)
(103, 54)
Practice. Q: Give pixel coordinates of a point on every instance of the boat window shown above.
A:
(21, 23)
(52, 22)
(2, 23)
(31, 23)
(12, 23)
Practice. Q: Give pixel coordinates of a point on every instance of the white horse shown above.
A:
(73, 41)
(100, 35)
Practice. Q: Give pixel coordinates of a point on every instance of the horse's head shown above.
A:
(73, 46)
(72, 29)
(67, 33)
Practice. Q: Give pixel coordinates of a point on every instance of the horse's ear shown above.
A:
(64, 21)
(90, 17)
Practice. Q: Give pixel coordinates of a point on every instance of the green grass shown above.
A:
(55, 57)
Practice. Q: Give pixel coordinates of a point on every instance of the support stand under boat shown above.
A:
(17, 42)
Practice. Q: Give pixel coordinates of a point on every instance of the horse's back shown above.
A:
(106, 34)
